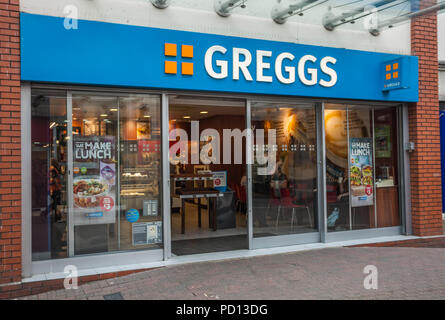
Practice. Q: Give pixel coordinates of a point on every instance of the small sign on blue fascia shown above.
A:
(394, 74)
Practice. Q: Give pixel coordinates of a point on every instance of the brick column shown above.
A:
(10, 162)
(424, 130)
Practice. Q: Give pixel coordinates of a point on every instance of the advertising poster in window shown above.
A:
(361, 172)
(383, 142)
(220, 180)
(94, 180)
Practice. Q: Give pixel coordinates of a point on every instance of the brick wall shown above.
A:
(427, 242)
(424, 130)
(10, 189)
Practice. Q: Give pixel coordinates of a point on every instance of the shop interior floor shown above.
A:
(196, 246)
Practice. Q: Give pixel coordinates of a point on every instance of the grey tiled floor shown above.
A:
(336, 273)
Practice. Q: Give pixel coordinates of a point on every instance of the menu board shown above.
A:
(383, 142)
(94, 180)
(361, 172)
(147, 233)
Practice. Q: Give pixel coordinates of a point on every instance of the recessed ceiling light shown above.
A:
(186, 117)
(113, 110)
(204, 112)
(147, 116)
(104, 115)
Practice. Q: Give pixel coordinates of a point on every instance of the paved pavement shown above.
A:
(336, 273)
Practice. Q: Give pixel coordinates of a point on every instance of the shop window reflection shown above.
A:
(49, 174)
(337, 180)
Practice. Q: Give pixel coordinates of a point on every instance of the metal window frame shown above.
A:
(249, 163)
(321, 173)
(166, 163)
(165, 177)
(26, 163)
(403, 173)
(404, 170)
(165, 253)
(30, 267)
(69, 117)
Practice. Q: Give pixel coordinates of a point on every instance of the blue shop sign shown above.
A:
(108, 54)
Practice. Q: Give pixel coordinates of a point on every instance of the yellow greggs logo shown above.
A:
(171, 67)
(240, 60)
(391, 71)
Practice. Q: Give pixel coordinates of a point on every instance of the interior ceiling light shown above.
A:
(391, 22)
(147, 116)
(204, 112)
(224, 7)
(331, 21)
(281, 13)
(186, 117)
(113, 110)
(161, 4)
(104, 115)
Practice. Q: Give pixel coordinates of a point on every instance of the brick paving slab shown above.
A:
(335, 273)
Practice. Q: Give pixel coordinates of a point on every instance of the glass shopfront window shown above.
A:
(361, 167)
(387, 180)
(96, 170)
(285, 197)
(96, 173)
(49, 135)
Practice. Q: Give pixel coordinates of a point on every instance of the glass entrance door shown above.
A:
(208, 176)
(284, 173)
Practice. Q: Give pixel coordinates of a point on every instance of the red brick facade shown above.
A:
(424, 130)
(10, 161)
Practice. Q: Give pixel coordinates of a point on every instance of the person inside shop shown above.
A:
(242, 194)
(243, 182)
(278, 181)
(55, 190)
(342, 203)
